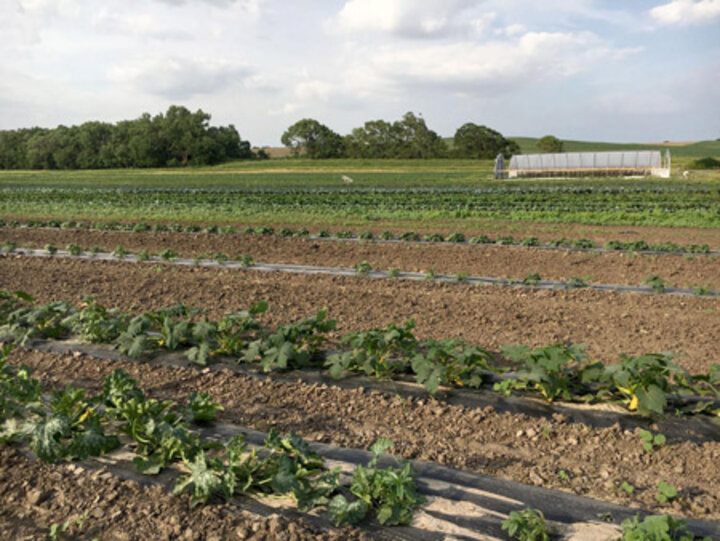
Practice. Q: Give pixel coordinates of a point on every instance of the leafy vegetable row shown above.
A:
(649, 384)
(408, 236)
(530, 525)
(72, 426)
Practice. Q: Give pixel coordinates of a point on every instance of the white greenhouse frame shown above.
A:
(630, 163)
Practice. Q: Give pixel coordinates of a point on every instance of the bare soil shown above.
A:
(497, 261)
(38, 495)
(544, 452)
(608, 323)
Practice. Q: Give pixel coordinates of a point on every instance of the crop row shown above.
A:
(537, 198)
(643, 204)
(68, 425)
(652, 283)
(528, 187)
(407, 236)
(649, 384)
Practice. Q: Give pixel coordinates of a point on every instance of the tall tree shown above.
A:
(313, 139)
(406, 138)
(550, 144)
(417, 140)
(481, 142)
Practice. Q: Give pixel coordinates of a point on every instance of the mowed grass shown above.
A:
(293, 173)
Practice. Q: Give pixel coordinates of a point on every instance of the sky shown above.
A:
(616, 70)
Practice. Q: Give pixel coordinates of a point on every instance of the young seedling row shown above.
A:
(457, 238)
(649, 384)
(68, 425)
(652, 284)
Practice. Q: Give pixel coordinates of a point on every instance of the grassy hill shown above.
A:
(699, 149)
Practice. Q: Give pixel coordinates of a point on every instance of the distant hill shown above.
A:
(699, 149)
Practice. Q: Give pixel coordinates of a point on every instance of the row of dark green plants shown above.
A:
(66, 424)
(650, 384)
(407, 236)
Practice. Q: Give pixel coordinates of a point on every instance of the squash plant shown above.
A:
(378, 352)
(449, 362)
(644, 381)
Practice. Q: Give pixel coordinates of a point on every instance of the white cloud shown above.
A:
(412, 18)
(687, 12)
(175, 77)
(640, 103)
(531, 58)
(251, 5)
(139, 25)
(512, 30)
(47, 8)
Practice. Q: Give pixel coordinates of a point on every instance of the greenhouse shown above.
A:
(591, 164)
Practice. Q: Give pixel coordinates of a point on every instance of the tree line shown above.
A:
(182, 138)
(177, 138)
(406, 138)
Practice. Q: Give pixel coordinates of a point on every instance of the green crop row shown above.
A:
(649, 384)
(689, 204)
(407, 236)
(72, 426)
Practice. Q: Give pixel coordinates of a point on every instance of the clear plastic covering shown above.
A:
(572, 164)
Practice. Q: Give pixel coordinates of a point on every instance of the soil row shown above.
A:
(481, 260)
(608, 323)
(98, 505)
(552, 453)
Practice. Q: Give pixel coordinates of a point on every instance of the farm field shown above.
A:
(453, 390)
(434, 192)
(688, 271)
(608, 323)
(673, 204)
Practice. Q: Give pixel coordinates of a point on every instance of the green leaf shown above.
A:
(203, 480)
(92, 441)
(651, 400)
(380, 446)
(45, 437)
(151, 465)
(385, 515)
(344, 512)
(199, 354)
(201, 408)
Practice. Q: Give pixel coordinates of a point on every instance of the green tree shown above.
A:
(406, 138)
(417, 140)
(180, 137)
(313, 139)
(550, 144)
(481, 142)
(376, 139)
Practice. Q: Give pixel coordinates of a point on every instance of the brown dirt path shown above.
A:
(595, 462)
(608, 323)
(497, 261)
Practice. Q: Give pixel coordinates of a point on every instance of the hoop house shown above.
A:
(590, 164)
